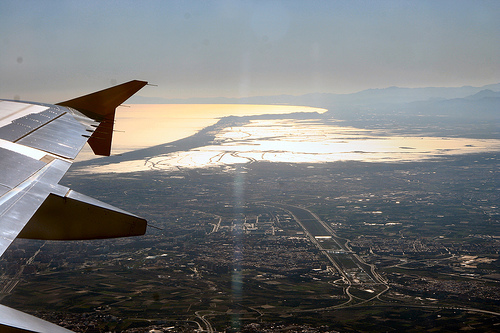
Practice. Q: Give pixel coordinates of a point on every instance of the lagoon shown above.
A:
(302, 141)
(145, 125)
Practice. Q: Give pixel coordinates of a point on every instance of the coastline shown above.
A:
(202, 137)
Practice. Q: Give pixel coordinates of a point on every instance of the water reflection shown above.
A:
(296, 141)
(146, 125)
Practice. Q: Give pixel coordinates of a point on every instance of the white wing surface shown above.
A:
(38, 143)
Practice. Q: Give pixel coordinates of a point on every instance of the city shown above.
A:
(311, 245)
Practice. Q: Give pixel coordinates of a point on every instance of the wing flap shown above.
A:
(12, 110)
(13, 129)
(63, 136)
(77, 217)
(16, 167)
(19, 204)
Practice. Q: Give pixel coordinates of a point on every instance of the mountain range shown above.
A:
(390, 95)
(461, 102)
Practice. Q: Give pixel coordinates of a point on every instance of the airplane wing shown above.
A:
(38, 143)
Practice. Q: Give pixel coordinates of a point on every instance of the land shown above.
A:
(332, 247)
(267, 247)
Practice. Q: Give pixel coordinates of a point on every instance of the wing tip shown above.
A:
(101, 106)
(98, 104)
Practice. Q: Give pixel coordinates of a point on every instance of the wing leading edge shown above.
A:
(38, 143)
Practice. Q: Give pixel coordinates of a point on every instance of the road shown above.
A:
(205, 321)
(353, 269)
(339, 254)
(13, 281)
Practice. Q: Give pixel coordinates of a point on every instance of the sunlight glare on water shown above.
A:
(145, 125)
(311, 141)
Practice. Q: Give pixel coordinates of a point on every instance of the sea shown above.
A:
(283, 139)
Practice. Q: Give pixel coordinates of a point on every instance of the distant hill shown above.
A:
(486, 93)
(370, 97)
(475, 113)
(466, 103)
(487, 108)
(466, 111)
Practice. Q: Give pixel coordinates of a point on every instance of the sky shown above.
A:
(55, 50)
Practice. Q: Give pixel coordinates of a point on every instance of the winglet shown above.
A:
(104, 102)
(101, 106)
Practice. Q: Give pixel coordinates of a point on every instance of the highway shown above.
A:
(341, 256)
(205, 321)
(353, 269)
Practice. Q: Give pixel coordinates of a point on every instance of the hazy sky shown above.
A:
(55, 50)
